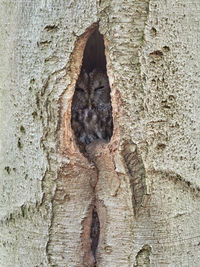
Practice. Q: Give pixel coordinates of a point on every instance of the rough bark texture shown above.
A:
(144, 185)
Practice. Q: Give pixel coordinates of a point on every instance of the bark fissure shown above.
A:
(94, 233)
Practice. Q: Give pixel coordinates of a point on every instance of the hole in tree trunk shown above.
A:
(94, 233)
(91, 111)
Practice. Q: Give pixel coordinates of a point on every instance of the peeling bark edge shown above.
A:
(137, 174)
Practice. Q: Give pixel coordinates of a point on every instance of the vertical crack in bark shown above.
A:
(91, 234)
(94, 233)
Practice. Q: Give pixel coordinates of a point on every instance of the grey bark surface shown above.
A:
(145, 182)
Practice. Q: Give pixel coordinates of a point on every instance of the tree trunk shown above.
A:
(133, 201)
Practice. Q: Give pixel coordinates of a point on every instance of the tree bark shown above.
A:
(133, 201)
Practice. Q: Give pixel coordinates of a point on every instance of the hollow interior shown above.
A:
(91, 111)
(94, 54)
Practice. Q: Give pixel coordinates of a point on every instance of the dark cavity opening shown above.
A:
(91, 110)
(94, 233)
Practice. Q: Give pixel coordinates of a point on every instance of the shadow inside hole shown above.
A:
(91, 110)
(94, 232)
(94, 54)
